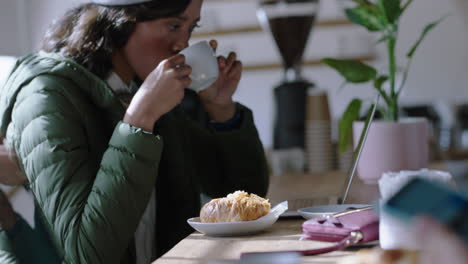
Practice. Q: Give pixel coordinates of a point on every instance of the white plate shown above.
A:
(322, 210)
(239, 228)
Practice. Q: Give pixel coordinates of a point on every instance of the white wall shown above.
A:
(440, 68)
(6, 64)
(12, 33)
(42, 13)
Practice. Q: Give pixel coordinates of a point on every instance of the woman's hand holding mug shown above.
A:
(217, 99)
(161, 91)
(215, 79)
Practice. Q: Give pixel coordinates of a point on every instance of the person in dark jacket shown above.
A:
(19, 242)
(115, 162)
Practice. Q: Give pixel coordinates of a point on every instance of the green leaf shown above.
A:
(352, 71)
(379, 81)
(378, 85)
(362, 2)
(368, 5)
(345, 125)
(391, 9)
(406, 5)
(426, 30)
(365, 17)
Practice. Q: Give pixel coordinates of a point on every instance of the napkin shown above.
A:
(391, 182)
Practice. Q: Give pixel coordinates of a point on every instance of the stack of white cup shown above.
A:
(320, 154)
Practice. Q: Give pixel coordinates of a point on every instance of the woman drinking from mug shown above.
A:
(115, 165)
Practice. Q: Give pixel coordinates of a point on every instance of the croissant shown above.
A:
(237, 206)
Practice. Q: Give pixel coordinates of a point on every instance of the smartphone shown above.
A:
(423, 197)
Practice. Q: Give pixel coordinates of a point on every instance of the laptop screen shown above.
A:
(357, 152)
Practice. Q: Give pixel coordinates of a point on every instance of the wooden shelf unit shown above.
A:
(256, 28)
(307, 63)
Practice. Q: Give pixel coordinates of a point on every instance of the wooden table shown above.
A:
(284, 234)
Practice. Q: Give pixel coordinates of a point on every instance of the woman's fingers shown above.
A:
(186, 81)
(222, 62)
(178, 67)
(183, 70)
(183, 73)
(230, 59)
(230, 66)
(176, 61)
(236, 70)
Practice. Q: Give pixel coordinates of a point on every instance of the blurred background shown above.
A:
(437, 87)
(438, 73)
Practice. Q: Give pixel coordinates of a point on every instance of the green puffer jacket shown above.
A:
(92, 175)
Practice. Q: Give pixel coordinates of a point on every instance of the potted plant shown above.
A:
(392, 144)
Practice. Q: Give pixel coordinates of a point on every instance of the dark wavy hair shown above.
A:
(90, 33)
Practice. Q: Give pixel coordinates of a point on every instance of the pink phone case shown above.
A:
(363, 222)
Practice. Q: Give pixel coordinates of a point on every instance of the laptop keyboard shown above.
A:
(296, 204)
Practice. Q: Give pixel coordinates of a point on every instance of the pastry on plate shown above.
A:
(236, 207)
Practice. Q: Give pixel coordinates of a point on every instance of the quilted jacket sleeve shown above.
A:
(7, 253)
(91, 204)
(28, 244)
(232, 160)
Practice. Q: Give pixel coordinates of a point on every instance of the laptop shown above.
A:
(297, 204)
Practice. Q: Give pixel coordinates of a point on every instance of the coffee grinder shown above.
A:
(290, 23)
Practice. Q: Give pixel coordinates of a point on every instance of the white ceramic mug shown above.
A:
(202, 59)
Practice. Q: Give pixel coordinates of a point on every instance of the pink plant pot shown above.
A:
(392, 146)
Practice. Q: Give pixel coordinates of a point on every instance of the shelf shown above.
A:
(254, 29)
(308, 63)
(455, 155)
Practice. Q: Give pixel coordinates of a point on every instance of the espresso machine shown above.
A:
(290, 23)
